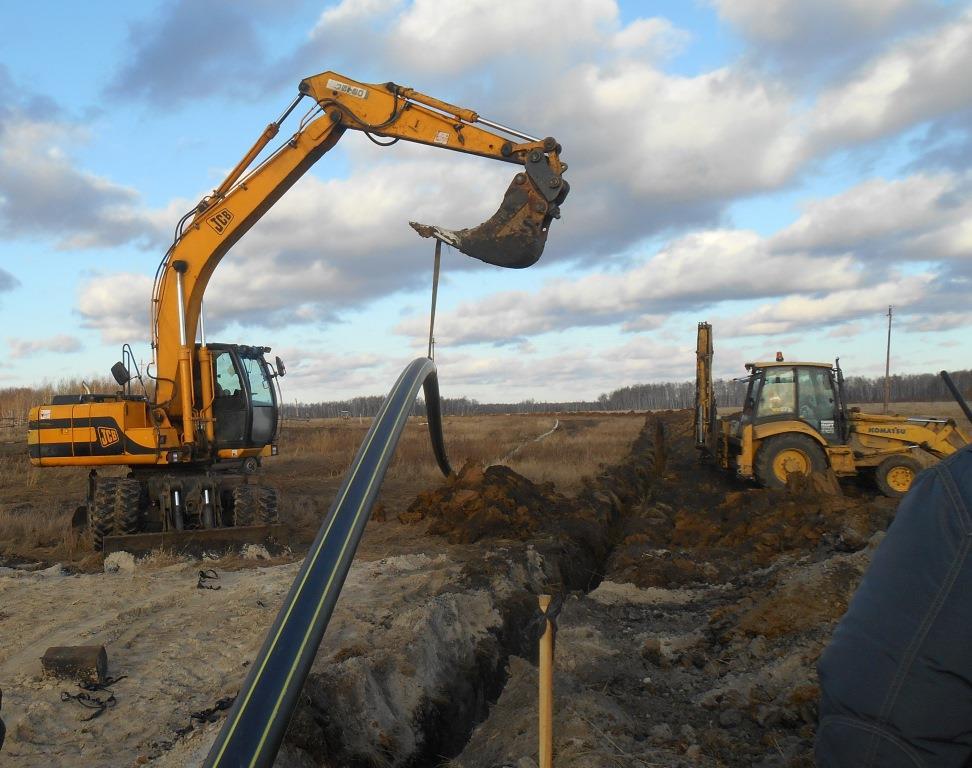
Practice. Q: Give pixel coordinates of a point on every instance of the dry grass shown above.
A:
(36, 504)
(45, 534)
(581, 446)
(946, 410)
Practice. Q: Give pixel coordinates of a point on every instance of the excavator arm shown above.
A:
(513, 237)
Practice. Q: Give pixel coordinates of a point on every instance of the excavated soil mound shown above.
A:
(702, 526)
(574, 534)
(496, 502)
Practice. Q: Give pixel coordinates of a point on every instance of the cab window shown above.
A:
(227, 379)
(259, 383)
(778, 393)
(816, 399)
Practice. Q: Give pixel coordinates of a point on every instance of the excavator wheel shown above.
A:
(101, 511)
(267, 503)
(895, 475)
(128, 497)
(784, 455)
(245, 505)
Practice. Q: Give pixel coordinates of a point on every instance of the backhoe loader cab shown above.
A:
(793, 412)
(807, 392)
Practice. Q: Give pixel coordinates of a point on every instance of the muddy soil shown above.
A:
(695, 609)
(698, 647)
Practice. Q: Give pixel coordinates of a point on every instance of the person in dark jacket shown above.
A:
(896, 679)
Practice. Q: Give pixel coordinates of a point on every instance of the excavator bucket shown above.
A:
(515, 235)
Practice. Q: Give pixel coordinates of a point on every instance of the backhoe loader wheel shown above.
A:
(267, 502)
(101, 512)
(128, 497)
(895, 475)
(245, 506)
(785, 455)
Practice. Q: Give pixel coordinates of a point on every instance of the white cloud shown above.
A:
(62, 343)
(820, 41)
(327, 245)
(693, 271)
(117, 306)
(353, 10)
(806, 314)
(871, 210)
(788, 21)
(503, 375)
(920, 217)
(43, 193)
(918, 79)
(655, 37)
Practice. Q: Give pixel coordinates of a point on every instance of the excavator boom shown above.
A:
(216, 403)
(513, 237)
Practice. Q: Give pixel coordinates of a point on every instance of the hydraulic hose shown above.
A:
(255, 726)
(951, 388)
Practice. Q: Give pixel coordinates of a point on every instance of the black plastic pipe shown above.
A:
(255, 727)
(955, 393)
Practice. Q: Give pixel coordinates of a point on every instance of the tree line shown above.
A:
(905, 388)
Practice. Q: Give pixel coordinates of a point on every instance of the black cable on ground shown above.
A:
(255, 727)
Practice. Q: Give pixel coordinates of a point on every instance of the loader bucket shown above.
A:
(515, 235)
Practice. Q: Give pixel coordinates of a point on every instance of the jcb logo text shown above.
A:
(219, 220)
(107, 436)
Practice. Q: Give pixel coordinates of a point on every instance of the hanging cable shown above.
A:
(435, 293)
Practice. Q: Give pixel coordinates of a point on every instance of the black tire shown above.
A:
(793, 449)
(128, 502)
(101, 512)
(245, 507)
(895, 475)
(250, 465)
(268, 507)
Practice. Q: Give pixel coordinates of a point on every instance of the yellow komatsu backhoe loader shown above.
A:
(795, 420)
(217, 405)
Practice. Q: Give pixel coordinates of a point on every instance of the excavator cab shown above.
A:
(246, 407)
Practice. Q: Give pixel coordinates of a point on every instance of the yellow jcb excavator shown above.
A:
(216, 406)
(795, 420)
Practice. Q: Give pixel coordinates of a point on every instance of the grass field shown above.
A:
(36, 504)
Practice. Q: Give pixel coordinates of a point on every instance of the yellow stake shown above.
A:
(546, 688)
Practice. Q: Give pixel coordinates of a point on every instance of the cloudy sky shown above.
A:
(781, 168)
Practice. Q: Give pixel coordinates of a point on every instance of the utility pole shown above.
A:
(887, 365)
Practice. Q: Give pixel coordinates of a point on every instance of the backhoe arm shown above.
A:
(513, 237)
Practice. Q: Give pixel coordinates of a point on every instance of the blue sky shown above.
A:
(783, 169)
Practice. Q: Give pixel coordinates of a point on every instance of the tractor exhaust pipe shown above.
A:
(956, 394)
(516, 234)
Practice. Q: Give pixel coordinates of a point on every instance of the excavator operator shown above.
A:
(896, 679)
